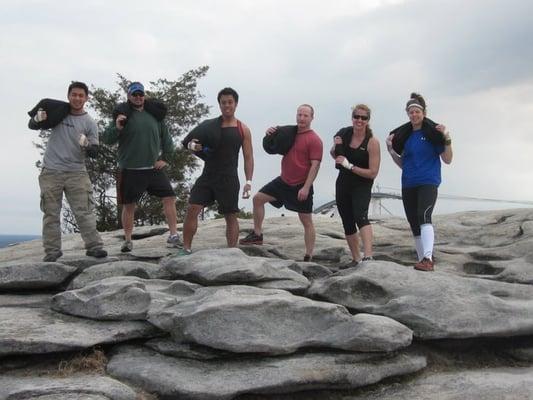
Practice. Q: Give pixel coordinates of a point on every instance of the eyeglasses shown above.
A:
(361, 117)
(138, 94)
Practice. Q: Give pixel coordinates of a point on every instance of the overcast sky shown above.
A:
(472, 60)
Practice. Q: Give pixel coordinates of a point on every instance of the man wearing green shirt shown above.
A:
(144, 148)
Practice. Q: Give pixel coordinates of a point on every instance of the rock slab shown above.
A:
(434, 305)
(245, 319)
(181, 378)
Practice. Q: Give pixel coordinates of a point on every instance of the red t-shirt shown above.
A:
(296, 164)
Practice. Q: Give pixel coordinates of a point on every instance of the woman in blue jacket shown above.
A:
(418, 147)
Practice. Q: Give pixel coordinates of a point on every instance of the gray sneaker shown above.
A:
(174, 241)
(53, 256)
(127, 246)
(368, 258)
(96, 252)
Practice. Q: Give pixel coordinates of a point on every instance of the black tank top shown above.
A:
(359, 158)
(225, 158)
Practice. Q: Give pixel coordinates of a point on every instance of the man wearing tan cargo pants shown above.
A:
(64, 172)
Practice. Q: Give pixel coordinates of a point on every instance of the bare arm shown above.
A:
(248, 156)
(395, 157)
(447, 155)
(303, 193)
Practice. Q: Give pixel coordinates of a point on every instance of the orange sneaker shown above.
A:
(425, 265)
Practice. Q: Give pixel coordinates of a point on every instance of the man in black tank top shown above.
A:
(220, 180)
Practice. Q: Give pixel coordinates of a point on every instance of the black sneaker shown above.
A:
(127, 246)
(252, 238)
(52, 257)
(308, 258)
(97, 252)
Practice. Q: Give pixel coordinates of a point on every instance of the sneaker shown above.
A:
(183, 252)
(368, 258)
(52, 257)
(174, 241)
(425, 265)
(308, 258)
(252, 238)
(127, 246)
(97, 252)
(351, 264)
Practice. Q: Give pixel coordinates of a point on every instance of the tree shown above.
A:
(185, 110)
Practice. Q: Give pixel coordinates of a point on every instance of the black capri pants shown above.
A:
(352, 204)
(418, 203)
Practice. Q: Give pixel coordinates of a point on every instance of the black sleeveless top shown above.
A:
(358, 157)
(225, 158)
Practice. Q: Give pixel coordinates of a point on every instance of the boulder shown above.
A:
(232, 266)
(245, 319)
(119, 268)
(486, 384)
(33, 275)
(88, 387)
(434, 305)
(121, 298)
(40, 330)
(181, 378)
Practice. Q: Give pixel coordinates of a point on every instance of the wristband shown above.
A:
(347, 164)
(249, 182)
(448, 142)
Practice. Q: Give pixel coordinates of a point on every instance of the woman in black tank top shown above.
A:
(357, 156)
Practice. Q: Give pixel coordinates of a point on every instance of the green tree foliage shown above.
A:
(185, 109)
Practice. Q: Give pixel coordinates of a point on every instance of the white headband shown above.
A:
(415, 105)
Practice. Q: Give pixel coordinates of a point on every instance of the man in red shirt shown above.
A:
(294, 188)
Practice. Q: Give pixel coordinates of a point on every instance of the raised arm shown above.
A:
(447, 155)
(395, 157)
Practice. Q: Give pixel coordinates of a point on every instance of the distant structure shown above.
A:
(377, 208)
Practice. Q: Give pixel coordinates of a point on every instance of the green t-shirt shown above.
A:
(142, 142)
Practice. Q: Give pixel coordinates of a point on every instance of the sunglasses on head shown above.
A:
(361, 117)
(138, 94)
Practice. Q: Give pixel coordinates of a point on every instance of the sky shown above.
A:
(471, 60)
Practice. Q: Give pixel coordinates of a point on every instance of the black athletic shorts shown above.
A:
(222, 188)
(132, 184)
(287, 195)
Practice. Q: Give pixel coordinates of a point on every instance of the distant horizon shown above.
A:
(444, 206)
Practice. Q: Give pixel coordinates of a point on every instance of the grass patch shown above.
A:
(94, 363)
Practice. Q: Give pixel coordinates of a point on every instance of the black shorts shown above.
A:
(287, 195)
(132, 184)
(222, 188)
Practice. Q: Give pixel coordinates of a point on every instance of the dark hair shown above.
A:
(78, 85)
(416, 99)
(227, 91)
(364, 107)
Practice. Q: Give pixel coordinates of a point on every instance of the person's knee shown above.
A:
(193, 210)
(306, 220)
(259, 199)
(170, 200)
(128, 208)
(362, 221)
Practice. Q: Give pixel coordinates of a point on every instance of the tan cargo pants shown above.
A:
(78, 191)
